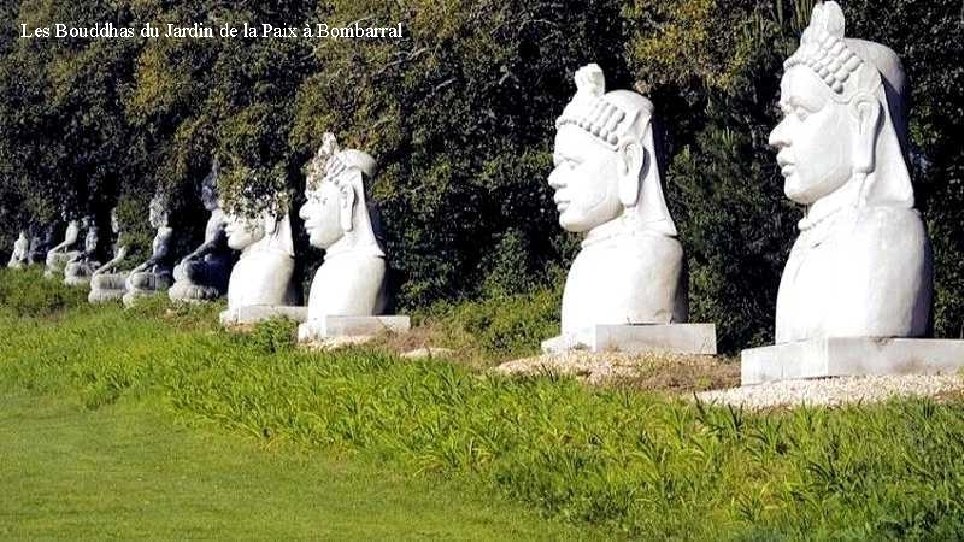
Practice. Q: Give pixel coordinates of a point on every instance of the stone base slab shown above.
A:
(253, 315)
(103, 296)
(862, 356)
(351, 326)
(686, 339)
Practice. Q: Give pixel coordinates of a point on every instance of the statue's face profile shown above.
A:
(157, 215)
(585, 179)
(242, 232)
(91, 241)
(73, 230)
(209, 195)
(815, 139)
(322, 215)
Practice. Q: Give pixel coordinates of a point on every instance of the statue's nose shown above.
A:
(555, 179)
(778, 137)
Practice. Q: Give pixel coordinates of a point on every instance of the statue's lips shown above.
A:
(787, 167)
(561, 202)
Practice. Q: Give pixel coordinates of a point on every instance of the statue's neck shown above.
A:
(360, 241)
(626, 225)
(844, 198)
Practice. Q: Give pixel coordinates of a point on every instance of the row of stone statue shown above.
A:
(338, 218)
(861, 269)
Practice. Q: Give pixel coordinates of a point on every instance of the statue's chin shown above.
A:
(795, 192)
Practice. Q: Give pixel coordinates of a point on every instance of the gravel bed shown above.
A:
(647, 371)
(835, 391)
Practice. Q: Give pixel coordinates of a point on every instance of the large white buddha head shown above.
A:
(336, 208)
(604, 159)
(844, 118)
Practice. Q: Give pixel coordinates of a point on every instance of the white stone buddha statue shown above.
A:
(20, 255)
(78, 270)
(607, 188)
(262, 277)
(351, 281)
(154, 275)
(108, 282)
(203, 274)
(59, 255)
(862, 265)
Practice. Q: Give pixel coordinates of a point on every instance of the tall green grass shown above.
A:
(652, 467)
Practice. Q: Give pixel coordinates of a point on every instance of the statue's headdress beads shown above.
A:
(592, 112)
(824, 49)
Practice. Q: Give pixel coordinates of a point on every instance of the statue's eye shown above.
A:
(801, 113)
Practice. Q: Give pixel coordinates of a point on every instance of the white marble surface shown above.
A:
(18, 258)
(338, 219)
(862, 265)
(607, 187)
(850, 356)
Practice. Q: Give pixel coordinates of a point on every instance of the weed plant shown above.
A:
(652, 467)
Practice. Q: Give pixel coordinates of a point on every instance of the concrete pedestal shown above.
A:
(351, 326)
(253, 315)
(103, 296)
(689, 339)
(823, 358)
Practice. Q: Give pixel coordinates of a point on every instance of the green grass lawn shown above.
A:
(125, 471)
(166, 425)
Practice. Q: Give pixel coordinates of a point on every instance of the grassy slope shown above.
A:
(126, 472)
(654, 467)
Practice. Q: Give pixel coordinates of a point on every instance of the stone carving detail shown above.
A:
(78, 270)
(862, 265)
(607, 187)
(42, 239)
(107, 282)
(20, 255)
(339, 219)
(262, 277)
(154, 275)
(203, 274)
(58, 256)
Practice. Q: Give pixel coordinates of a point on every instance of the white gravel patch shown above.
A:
(834, 391)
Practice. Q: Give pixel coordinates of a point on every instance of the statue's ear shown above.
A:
(632, 161)
(867, 111)
(347, 205)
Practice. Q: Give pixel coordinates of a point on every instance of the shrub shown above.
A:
(26, 293)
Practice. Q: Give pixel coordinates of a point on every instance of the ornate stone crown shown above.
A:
(824, 49)
(591, 111)
(331, 162)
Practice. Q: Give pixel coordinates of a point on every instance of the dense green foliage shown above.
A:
(650, 466)
(459, 115)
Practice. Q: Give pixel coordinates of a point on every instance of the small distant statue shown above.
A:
(262, 277)
(58, 256)
(862, 265)
(20, 256)
(81, 266)
(109, 283)
(154, 275)
(42, 239)
(339, 219)
(203, 274)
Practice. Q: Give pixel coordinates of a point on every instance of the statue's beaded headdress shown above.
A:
(824, 49)
(592, 111)
(331, 162)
